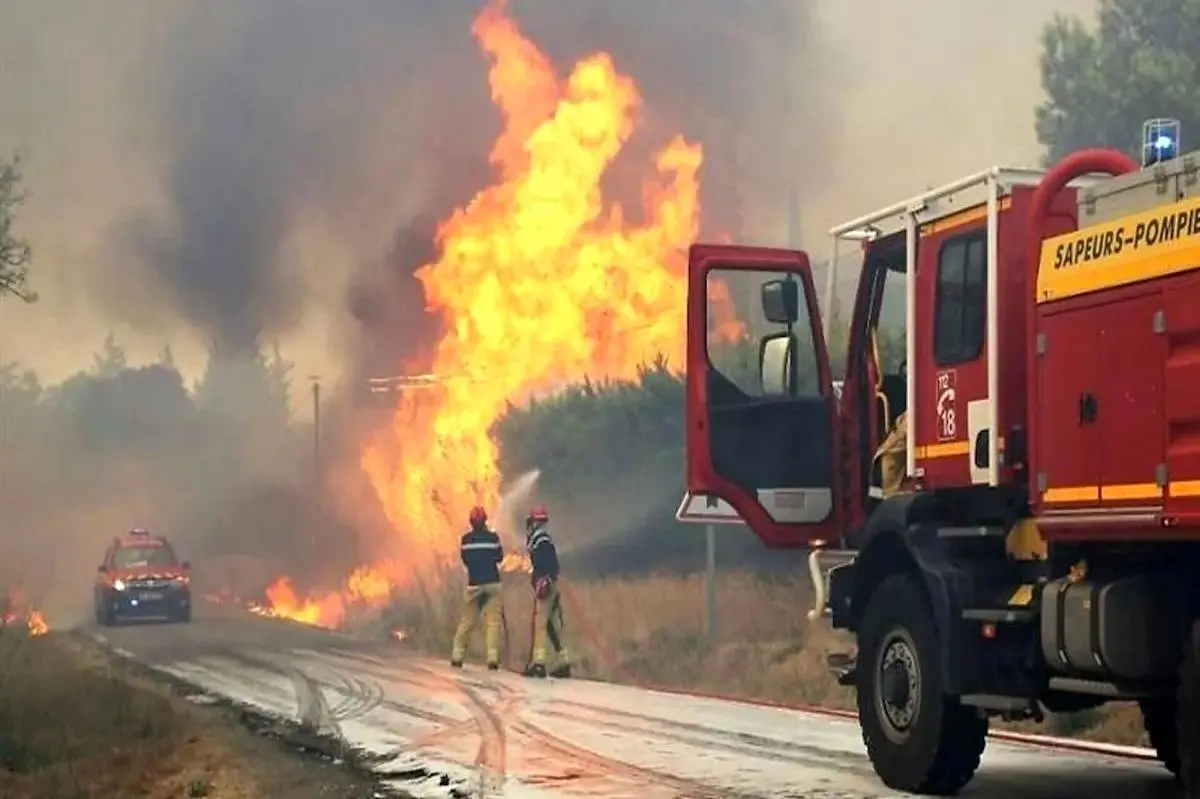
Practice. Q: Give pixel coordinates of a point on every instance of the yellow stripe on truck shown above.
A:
(946, 450)
(1142, 246)
(967, 216)
(1114, 493)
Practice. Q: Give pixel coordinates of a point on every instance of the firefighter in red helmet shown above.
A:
(481, 554)
(548, 611)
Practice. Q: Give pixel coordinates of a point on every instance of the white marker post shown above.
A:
(709, 511)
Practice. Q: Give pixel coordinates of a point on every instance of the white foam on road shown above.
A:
(416, 717)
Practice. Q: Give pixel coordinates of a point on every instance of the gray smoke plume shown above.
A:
(272, 115)
(223, 166)
(275, 115)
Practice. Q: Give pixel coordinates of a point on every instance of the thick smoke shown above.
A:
(277, 116)
(221, 168)
(271, 120)
(242, 171)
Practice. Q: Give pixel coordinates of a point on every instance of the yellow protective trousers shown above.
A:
(548, 629)
(480, 600)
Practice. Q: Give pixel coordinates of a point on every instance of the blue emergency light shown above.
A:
(1160, 140)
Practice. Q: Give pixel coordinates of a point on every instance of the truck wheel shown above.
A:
(1187, 729)
(1162, 728)
(918, 739)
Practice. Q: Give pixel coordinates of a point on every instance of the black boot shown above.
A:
(535, 670)
(562, 672)
(456, 664)
(493, 667)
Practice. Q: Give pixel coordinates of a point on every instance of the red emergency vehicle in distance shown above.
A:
(141, 577)
(1005, 510)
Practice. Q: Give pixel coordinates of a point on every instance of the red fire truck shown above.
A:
(1006, 509)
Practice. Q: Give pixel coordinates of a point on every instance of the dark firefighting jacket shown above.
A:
(543, 556)
(481, 553)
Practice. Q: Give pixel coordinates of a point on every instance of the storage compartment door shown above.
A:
(1068, 444)
(1129, 403)
(1181, 398)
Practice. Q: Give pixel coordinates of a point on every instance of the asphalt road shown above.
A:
(437, 732)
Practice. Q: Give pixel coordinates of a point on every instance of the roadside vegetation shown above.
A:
(74, 727)
(77, 725)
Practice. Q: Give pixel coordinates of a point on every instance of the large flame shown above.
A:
(539, 281)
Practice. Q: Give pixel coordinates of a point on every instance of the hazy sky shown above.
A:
(123, 107)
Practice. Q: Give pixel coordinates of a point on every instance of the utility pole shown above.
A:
(793, 220)
(710, 584)
(316, 455)
(316, 409)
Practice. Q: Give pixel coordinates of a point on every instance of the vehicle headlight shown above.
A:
(180, 580)
(119, 585)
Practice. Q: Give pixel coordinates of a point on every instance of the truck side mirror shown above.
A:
(187, 565)
(781, 301)
(775, 355)
(101, 568)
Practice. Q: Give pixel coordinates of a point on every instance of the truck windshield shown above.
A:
(138, 557)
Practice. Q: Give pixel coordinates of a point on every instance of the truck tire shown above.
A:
(1188, 715)
(1162, 728)
(918, 739)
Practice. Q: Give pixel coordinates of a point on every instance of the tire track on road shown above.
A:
(704, 737)
(491, 756)
(580, 763)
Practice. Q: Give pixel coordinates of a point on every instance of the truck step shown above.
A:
(1111, 690)
(844, 668)
(1000, 615)
(974, 531)
(1013, 707)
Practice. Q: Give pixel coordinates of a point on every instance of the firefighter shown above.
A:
(481, 554)
(892, 454)
(547, 608)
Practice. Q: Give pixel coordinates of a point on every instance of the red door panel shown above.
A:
(1129, 406)
(767, 451)
(1068, 446)
(1181, 312)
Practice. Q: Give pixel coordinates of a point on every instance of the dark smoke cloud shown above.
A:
(275, 113)
(204, 142)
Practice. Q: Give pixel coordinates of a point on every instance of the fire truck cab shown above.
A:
(999, 498)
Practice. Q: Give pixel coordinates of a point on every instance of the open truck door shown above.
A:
(761, 411)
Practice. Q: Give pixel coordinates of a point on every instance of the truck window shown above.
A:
(733, 343)
(960, 299)
(890, 322)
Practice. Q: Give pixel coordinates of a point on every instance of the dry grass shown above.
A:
(650, 631)
(76, 727)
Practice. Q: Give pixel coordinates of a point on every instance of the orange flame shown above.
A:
(325, 610)
(516, 562)
(20, 612)
(36, 623)
(540, 281)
